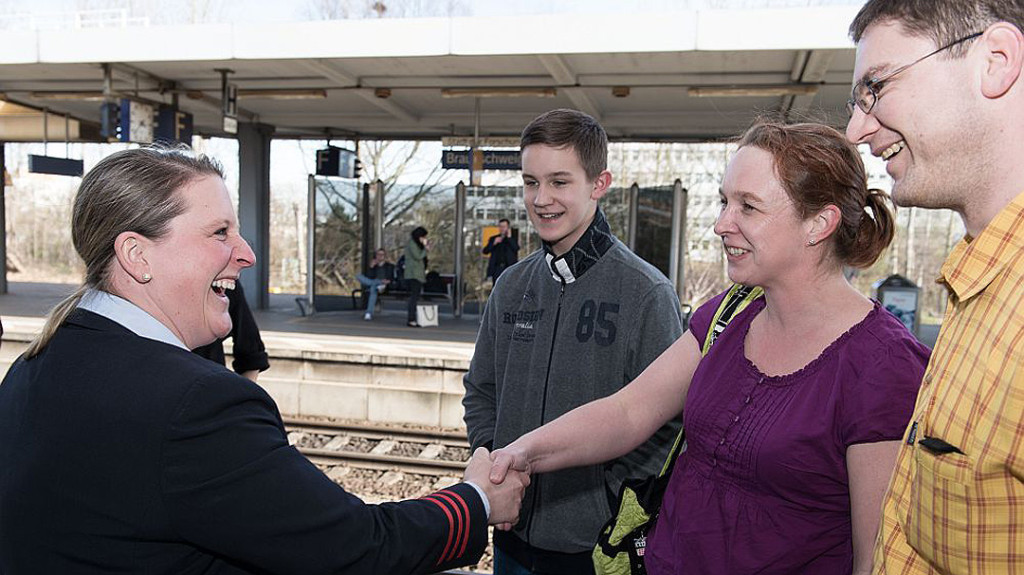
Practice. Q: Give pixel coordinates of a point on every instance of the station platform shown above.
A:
(329, 364)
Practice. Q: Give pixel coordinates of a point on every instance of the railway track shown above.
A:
(377, 447)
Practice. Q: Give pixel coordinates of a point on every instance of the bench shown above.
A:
(395, 291)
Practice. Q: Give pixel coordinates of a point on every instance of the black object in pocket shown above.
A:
(938, 446)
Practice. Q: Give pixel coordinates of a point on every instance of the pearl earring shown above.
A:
(811, 242)
(146, 277)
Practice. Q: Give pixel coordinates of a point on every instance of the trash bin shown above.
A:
(900, 297)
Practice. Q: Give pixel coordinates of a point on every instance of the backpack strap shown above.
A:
(738, 298)
(735, 301)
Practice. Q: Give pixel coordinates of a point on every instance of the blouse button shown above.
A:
(721, 441)
(746, 399)
(714, 462)
(735, 419)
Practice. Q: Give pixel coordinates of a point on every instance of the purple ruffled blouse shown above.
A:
(763, 485)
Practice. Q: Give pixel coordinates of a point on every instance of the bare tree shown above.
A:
(344, 9)
(329, 9)
(162, 11)
(389, 161)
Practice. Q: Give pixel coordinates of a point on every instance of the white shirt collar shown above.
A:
(129, 315)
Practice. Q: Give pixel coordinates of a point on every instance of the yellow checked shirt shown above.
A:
(952, 512)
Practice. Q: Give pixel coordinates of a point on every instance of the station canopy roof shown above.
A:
(675, 76)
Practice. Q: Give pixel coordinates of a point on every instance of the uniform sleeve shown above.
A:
(879, 393)
(480, 400)
(232, 485)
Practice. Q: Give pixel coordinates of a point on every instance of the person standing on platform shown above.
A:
(249, 355)
(938, 95)
(121, 451)
(503, 250)
(416, 269)
(574, 321)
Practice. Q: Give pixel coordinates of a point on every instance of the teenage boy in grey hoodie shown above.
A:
(574, 321)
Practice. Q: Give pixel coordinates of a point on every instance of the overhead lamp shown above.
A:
(620, 91)
(499, 92)
(90, 95)
(284, 94)
(752, 91)
(382, 93)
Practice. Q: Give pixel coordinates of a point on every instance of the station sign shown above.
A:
(229, 107)
(487, 159)
(55, 166)
(485, 142)
(173, 125)
(334, 161)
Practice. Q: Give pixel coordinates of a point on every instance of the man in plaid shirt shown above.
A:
(939, 95)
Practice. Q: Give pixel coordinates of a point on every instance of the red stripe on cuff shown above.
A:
(451, 526)
(463, 534)
(468, 519)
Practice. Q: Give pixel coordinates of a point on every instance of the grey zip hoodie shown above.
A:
(558, 333)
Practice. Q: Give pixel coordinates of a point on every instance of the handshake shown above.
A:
(504, 478)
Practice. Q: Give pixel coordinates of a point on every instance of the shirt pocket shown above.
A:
(940, 509)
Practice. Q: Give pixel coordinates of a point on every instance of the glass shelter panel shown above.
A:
(615, 204)
(484, 207)
(337, 241)
(407, 206)
(654, 226)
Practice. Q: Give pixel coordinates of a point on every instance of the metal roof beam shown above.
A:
(387, 105)
(559, 70)
(346, 80)
(809, 67)
(330, 71)
(582, 101)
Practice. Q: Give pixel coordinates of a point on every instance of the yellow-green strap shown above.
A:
(735, 301)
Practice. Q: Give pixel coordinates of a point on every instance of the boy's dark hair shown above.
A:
(566, 128)
(419, 232)
(505, 220)
(941, 21)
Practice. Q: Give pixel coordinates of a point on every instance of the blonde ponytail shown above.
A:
(54, 320)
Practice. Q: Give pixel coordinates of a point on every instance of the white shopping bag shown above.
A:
(426, 314)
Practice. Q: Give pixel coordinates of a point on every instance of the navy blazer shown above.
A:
(120, 454)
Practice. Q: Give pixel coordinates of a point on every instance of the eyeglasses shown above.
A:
(865, 93)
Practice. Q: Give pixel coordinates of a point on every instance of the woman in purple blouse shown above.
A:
(794, 417)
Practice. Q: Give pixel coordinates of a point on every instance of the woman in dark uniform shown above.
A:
(123, 452)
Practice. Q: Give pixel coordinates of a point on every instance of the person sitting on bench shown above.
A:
(376, 279)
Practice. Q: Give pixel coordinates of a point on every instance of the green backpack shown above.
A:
(623, 540)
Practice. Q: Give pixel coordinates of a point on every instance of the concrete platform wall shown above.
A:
(392, 389)
(379, 388)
